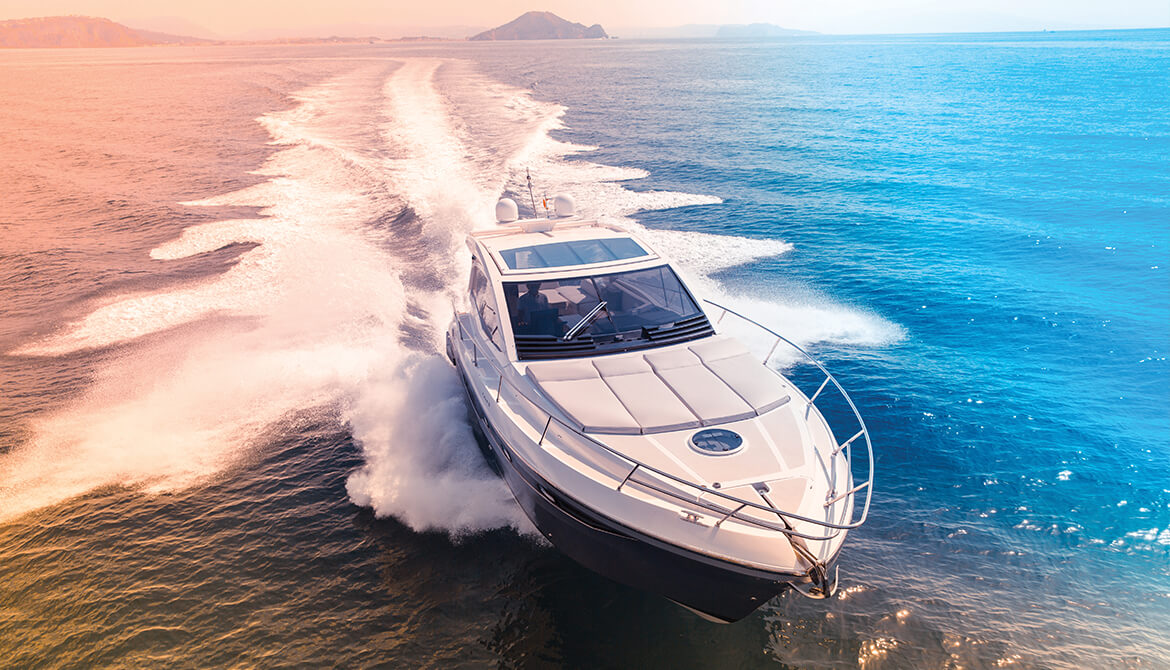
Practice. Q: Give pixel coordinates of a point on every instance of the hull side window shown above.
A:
(484, 304)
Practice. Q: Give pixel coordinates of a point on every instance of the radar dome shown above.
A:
(563, 205)
(507, 211)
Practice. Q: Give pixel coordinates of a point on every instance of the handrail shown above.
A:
(726, 512)
(845, 446)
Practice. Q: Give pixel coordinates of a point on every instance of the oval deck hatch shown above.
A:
(716, 441)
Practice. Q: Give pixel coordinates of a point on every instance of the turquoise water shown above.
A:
(228, 435)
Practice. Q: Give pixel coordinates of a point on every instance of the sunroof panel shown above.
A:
(568, 254)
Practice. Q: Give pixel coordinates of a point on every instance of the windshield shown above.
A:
(636, 308)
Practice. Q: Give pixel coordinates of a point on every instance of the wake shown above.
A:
(342, 302)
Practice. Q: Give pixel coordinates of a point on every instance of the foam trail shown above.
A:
(327, 320)
(174, 415)
(318, 317)
(174, 412)
(422, 465)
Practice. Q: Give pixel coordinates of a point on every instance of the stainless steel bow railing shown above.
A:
(736, 505)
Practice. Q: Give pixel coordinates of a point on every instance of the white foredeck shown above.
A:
(638, 479)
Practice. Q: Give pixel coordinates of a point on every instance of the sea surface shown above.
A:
(229, 437)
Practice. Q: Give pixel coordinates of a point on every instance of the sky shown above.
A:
(448, 18)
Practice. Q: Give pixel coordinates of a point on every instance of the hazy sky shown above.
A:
(232, 18)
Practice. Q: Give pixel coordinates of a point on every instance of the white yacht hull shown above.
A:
(644, 442)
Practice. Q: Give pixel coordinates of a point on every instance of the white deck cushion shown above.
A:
(670, 359)
(712, 382)
(704, 393)
(562, 371)
(734, 364)
(578, 390)
(718, 347)
(655, 407)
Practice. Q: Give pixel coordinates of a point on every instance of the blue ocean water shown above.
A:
(1005, 200)
(978, 231)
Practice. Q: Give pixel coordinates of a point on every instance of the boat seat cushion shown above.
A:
(578, 390)
(718, 347)
(700, 389)
(734, 364)
(711, 382)
(562, 371)
(644, 395)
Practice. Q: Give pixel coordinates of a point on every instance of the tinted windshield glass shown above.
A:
(576, 252)
(633, 301)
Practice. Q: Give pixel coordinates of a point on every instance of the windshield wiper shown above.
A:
(585, 321)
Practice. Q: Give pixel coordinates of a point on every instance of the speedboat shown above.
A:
(642, 438)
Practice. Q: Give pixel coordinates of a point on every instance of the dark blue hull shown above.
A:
(716, 589)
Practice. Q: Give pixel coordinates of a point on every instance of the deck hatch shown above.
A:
(716, 441)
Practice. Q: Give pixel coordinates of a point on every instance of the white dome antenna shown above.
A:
(507, 211)
(564, 205)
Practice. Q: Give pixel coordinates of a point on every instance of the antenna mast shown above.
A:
(531, 197)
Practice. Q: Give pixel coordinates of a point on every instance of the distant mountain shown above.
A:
(709, 30)
(67, 31)
(758, 30)
(542, 26)
(355, 29)
(688, 31)
(80, 31)
(173, 25)
(155, 37)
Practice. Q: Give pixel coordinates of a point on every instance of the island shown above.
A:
(81, 31)
(759, 30)
(542, 26)
(90, 32)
